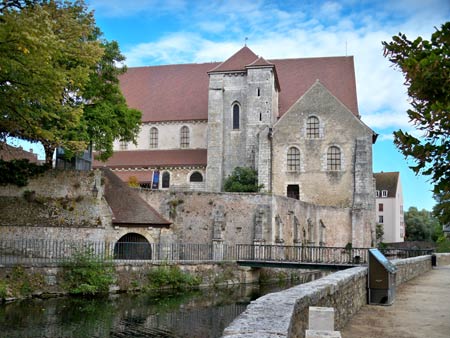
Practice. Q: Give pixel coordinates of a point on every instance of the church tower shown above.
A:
(242, 108)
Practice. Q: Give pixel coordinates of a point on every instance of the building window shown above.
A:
(196, 177)
(293, 159)
(123, 145)
(334, 158)
(259, 91)
(312, 127)
(236, 113)
(153, 138)
(165, 183)
(377, 193)
(293, 191)
(184, 137)
(380, 219)
(384, 193)
(380, 206)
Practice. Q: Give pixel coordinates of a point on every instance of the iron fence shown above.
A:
(44, 251)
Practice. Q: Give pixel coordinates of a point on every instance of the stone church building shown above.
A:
(295, 121)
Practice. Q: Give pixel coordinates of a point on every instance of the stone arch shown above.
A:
(132, 246)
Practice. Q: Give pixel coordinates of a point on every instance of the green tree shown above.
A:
(46, 54)
(59, 80)
(426, 67)
(421, 225)
(106, 116)
(242, 180)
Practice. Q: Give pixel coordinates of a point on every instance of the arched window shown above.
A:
(312, 127)
(153, 138)
(236, 113)
(165, 182)
(196, 177)
(293, 159)
(333, 158)
(184, 137)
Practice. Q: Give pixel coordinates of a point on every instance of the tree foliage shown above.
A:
(242, 180)
(58, 79)
(421, 225)
(426, 67)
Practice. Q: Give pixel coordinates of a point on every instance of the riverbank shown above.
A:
(34, 281)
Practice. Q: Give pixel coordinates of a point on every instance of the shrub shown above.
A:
(87, 274)
(171, 277)
(242, 180)
(3, 290)
(18, 172)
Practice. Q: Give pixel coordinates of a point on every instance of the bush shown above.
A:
(443, 244)
(171, 277)
(18, 172)
(243, 180)
(86, 274)
(3, 290)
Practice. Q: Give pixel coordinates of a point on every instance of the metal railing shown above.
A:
(43, 251)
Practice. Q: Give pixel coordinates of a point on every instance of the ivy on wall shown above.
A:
(18, 172)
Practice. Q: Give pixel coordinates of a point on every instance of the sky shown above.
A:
(154, 32)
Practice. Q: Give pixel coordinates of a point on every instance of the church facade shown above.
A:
(295, 121)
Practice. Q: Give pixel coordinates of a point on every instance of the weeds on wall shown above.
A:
(171, 277)
(20, 284)
(18, 172)
(87, 274)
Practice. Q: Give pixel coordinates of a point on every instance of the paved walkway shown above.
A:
(421, 310)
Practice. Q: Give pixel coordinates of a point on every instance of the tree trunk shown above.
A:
(49, 150)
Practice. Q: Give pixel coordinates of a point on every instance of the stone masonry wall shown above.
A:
(56, 198)
(238, 218)
(285, 313)
(443, 259)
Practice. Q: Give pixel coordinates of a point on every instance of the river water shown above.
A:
(196, 314)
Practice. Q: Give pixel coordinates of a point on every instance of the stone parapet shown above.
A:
(285, 313)
(443, 258)
(410, 268)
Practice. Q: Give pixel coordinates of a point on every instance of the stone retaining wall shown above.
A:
(443, 258)
(410, 268)
(285, 313)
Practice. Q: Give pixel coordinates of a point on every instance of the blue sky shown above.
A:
(152, 32)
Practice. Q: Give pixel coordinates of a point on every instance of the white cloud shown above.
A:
(218, 28)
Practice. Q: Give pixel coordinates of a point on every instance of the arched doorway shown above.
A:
(132, 246)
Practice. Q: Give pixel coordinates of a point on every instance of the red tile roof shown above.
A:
(142, 176)
(180, 92)
(387, 181)
(154, 158)
(237, 61)
(128, 208)
(9, 153)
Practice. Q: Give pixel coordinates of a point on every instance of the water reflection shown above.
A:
(199, 314)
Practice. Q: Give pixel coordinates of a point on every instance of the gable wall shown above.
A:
(338, 127)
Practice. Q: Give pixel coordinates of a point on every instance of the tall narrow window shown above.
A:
(334, 158)
(165, 183)
(293, 159)
(312, 127)
(153, 138)
(184, 137)
(236, 114)
(259, 91)
(123, 145)
(380, 206)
